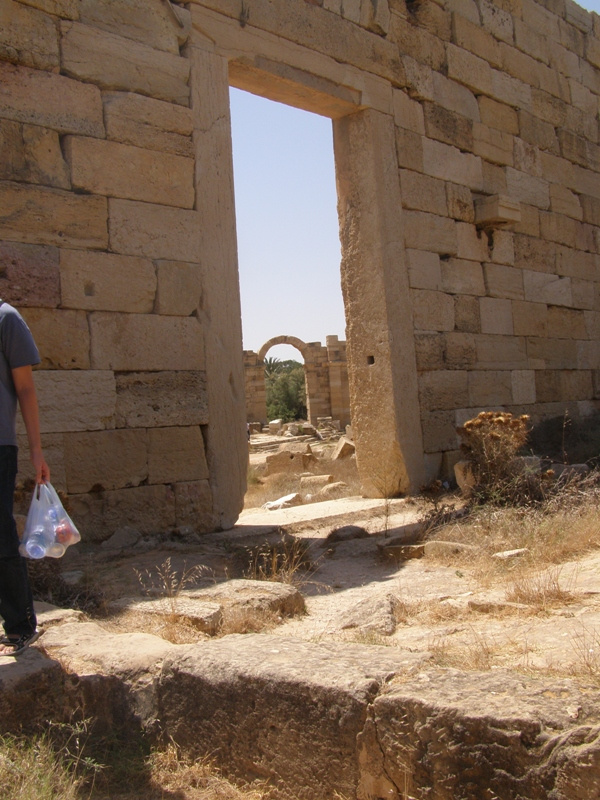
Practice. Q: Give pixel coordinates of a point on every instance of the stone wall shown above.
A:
(467, 159)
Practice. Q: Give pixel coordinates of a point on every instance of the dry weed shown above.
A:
(287, 561)
(240, 619)
(173, 628)
(540, 589)
(471, 652)
(165, 581)
(586, 646)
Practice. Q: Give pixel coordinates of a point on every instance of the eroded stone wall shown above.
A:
(467, 160)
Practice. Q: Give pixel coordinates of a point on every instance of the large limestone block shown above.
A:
(121, 170)
(528, 189)
(106, 282)
(448, 126)
(62, 337)
(443, 389)
(154, 231)
(433, 311)
(499, 116)
(543, 288)
(501, 352)
(496, 315)
(194, 506)
(455, 97)
(530, 319)
(279, 598)
(50, 216)
(460, 202)
(408, 113)
(75, 400)
(148, 22)
(470, 70)
(490, 389)
(450, 164)
(429, 232)
(176, 454)
(256, 699)
(28, 36)
(462, 277)
(31, 154)
(523, 386)
(50, 100)
(130, 342)
(424, 270)
(114, 62)
(105, 460)
(288, 462)
(467, 317)
(179, 290)
(567, 323)
(511, 91)
(29, 275)
(503, 281)
(144, 122)
(161, 399)
(423, 193)
(148, 509)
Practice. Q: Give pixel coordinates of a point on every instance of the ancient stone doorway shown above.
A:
(326, 379)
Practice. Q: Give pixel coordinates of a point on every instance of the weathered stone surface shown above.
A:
(279, 598)
(496, 315)
(433, 311)
(105, 460)
(371, 615)
(289, 462)
(87, 648)
(297, 681)
(309, 484)
(149, 509)
(332, 490)
(145, 122)
(206, 617)
(343, 449)
(114, 62)
(132, 342)
(121, 170)
(29, 275)
(27, 36)
(443, 389)
(75, 400)
(194, 506)
(50, 100)
(179, 291)
(161, 399)
(63, 337)
(430, 232)
(462, 277)
(147, 22)
(502, 760)
(66, 9)
(54, 452)
(176, 454)
(154, 231)
(106, 282)
(31, 154)
(50, 216)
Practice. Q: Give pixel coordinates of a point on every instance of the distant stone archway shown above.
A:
(326, 376)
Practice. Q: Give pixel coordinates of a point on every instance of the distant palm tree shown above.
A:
(272, 367)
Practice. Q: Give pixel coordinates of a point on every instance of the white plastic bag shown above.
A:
(49, 530)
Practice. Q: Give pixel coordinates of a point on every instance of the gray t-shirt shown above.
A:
(17, 349)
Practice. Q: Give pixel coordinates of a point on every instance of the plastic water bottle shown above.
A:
(37, 543)
(55, 550)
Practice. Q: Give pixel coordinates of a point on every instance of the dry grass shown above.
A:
(241, 619)
(473, 651)
(57, 765)
(541, 590)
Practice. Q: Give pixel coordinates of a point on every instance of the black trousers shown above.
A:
(16, 600)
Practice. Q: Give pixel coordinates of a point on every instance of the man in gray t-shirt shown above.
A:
(18, 353)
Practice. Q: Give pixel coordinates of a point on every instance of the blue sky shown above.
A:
(287, 225)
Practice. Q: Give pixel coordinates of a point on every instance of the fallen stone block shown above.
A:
(435, 548)
(279, 598)
(275, 426)
(343, 449)
(288, 461)
(506, 555)
(206, 617)
(313, 483)
(332, 490)
(371, 615)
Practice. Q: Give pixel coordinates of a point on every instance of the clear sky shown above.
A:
(287, 225)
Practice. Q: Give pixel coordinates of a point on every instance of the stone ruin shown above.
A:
(326, 379)
(467, 159)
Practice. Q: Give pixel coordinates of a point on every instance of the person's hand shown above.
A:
(42, 470)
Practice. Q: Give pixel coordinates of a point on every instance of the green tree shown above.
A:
(286, 392)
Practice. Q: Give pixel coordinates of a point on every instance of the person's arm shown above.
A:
(25, 388)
